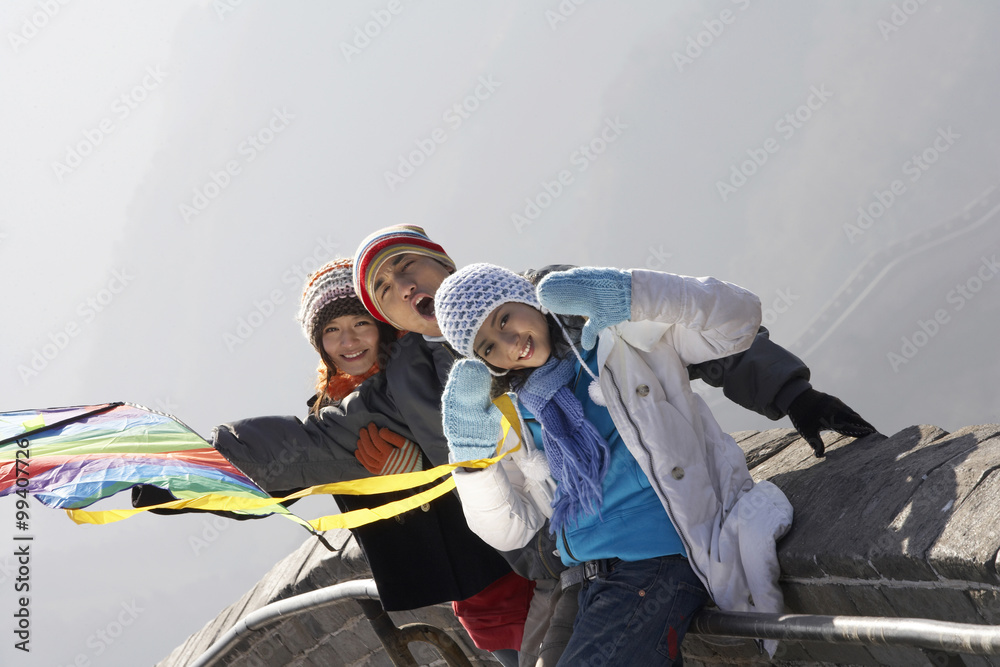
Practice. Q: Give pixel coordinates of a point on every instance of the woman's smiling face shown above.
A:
(514, 336)
(352, 342)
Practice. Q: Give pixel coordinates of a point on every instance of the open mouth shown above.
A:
(424, 305)
(527, 350)
(354, 356)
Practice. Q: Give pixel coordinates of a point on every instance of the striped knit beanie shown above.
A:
(383, 245)
(467, 297)
(328, 293)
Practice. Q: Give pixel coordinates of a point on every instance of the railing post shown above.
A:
(387, 632)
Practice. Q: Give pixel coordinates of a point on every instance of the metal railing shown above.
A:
(394, 639)
(966, 638)
(962, 638)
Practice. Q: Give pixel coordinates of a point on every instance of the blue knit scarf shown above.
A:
(577, 454)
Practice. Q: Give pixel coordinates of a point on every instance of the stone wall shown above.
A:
(332, 636)
(903, 526)
(906, 526)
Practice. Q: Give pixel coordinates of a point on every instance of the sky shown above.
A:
(174, 169)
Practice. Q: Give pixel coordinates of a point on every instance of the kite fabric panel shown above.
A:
(79, 455)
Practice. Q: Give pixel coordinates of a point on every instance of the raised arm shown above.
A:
(503, 514)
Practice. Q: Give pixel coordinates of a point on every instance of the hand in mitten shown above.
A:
(471, 421)
(813, 411)
(384, 452)
(604, 296)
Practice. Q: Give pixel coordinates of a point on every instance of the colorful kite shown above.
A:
(73, 457)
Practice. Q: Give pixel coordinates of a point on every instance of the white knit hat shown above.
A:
(467, 297)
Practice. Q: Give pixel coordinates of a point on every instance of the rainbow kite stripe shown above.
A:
(82, 454)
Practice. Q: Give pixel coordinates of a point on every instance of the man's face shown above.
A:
(404, 288)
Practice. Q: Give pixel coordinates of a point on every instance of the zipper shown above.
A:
(656, 480)
(543, 557)
(569, 552)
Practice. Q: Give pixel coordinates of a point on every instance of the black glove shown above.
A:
(813, 411)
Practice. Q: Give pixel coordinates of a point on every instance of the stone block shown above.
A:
(845, 502)
(722, 650)
(939, 604)
(377, 658)
(819, 598)
(425, 653)
(792, 653)
(295, 636)
(323, 655)
(840, 654)
(269, 652)
(951, 468)
(987, 604)
(697, 646)
(759, 446)
(903, 656)
(332, 619)
(869, 601)
(966, 548)
(355, 641)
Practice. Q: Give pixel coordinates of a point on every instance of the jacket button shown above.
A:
(677, 473)
(642, 390)
(426, 507)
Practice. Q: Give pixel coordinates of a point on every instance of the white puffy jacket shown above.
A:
(729, 523)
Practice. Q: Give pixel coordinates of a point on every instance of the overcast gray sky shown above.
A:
(173, 169)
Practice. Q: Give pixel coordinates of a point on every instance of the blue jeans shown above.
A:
(636, 614)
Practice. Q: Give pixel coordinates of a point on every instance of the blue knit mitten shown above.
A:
(471, 421)
(603, 296)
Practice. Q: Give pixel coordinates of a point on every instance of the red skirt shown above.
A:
(494, 617)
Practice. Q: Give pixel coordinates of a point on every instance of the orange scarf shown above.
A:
(342, 384)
